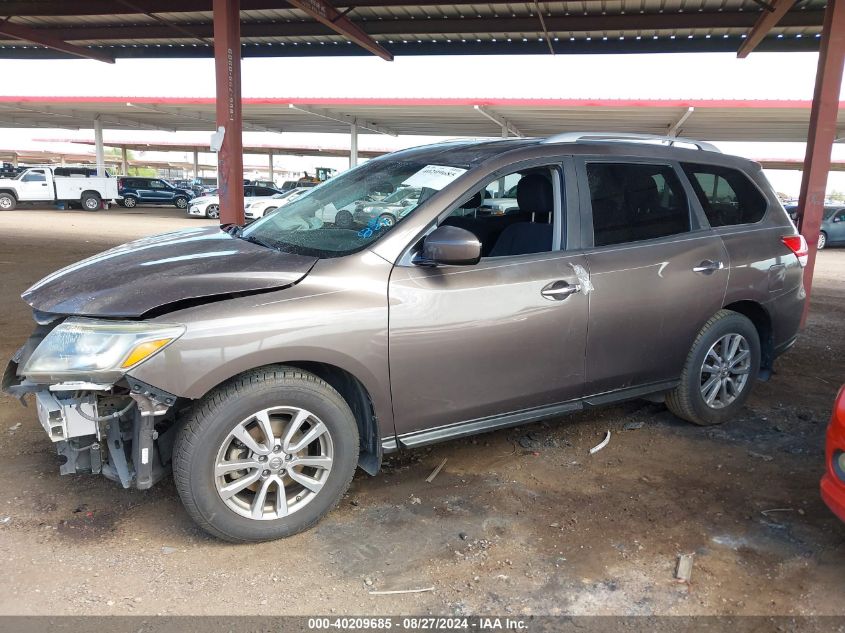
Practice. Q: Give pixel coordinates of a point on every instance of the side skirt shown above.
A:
(492, 423)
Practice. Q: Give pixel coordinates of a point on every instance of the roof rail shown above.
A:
(574, 137)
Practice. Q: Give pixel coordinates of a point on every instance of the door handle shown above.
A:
(708, 266)
(560, 290)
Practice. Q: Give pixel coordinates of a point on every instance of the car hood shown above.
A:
(152, 273)
(206, 200)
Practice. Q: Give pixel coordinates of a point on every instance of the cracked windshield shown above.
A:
(353, 210)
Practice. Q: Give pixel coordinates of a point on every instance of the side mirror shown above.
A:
(449, 245)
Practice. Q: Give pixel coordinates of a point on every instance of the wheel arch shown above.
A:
(762, 320)
(11, 192)
(356, 395)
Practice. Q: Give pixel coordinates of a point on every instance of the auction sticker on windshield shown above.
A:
(434, 176)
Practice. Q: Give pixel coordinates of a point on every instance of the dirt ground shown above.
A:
(521, 521)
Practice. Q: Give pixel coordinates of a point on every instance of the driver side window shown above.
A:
(513, 214)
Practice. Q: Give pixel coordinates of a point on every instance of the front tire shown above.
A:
(7, 202)
(719, 372)
(212, 211)
(181, 202)
(266, 455)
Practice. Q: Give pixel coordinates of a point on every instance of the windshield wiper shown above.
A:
(255, 240)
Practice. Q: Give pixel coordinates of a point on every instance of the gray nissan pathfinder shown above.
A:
(262, 365)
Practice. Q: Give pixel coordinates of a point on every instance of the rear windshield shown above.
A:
(328, 221)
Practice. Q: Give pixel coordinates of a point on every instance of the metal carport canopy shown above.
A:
(184, 28)
(714, 120)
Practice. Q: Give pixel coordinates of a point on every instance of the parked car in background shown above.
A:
(262, 366)
(72, 185)
(208, 206)
(257, 207)
(833, 481)
(832, 229)
(391, 209)
(135, 190)
(296, 184)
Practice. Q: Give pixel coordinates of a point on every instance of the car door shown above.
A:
(658, 271)
(835, 227)
(158, 192)
(34, 185)
(471, 343)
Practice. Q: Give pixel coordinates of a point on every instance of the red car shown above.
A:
(833, 482)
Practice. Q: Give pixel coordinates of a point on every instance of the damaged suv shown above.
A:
(262, 365)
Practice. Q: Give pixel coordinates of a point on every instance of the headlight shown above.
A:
(97, 350)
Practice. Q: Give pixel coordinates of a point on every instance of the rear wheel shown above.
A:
(266, 455)
(7, 202)
(181, 202)
(90, 201)
(385, 220)
(822, 240)
(719, 372)
(130, 202)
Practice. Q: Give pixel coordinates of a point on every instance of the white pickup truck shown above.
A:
(78, 185)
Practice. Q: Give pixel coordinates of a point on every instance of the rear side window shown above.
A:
(632, 202)
(727, 195)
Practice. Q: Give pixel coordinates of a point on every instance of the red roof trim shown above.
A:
(446, 102)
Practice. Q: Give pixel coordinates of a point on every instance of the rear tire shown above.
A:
(130, 202)
(822, 240)
(210, 441)
(719, 372)
(7, 202)
(90, 201)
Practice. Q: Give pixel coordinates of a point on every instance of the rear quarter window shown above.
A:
(727, 195)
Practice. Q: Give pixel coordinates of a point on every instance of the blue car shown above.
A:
(832, 231)
(134, 191)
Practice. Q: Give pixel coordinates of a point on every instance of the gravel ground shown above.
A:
(521, 521)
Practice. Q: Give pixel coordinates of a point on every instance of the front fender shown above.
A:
(337, 315)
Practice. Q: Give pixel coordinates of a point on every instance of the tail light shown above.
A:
(798, 245)
(120, 183)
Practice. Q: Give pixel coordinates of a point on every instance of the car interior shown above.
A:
(522, 231)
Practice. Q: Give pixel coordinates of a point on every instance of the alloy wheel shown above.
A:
(5, 203)
(822, 241)
(725, 370)
(273, 463)
(213, 211)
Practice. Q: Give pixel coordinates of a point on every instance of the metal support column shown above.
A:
(227, 64)
(196, 164)
(822, 132)
(353, 144)
(98, 146)
(270, 166)
(124, 161)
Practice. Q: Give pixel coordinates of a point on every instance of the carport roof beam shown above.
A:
(499, 120)
(196, 116)
(326, 14)
(21, 32)
(343, 118)
(765, 23)
(675, 128)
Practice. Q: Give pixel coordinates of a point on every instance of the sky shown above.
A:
(653, 76)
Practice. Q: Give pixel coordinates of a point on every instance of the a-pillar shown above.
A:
(822, 132)
(353, 145)
(227, 65)
(98, 147)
